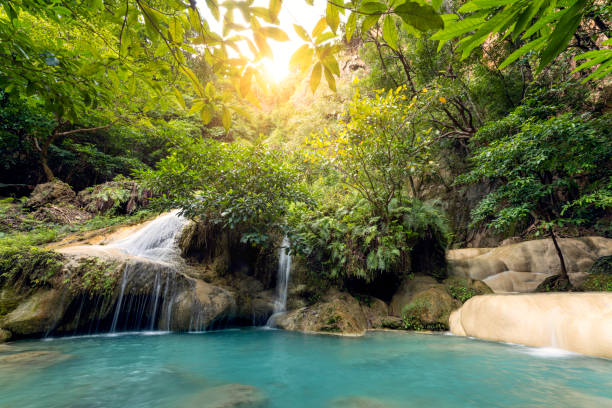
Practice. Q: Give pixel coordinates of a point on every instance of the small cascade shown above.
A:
(282, 281)
(143, 307)
(156, 241)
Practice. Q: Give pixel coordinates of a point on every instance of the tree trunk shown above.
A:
(44, 152)
(559, 253)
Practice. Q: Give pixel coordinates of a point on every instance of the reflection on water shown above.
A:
(274, 368)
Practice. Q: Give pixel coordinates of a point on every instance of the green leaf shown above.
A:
(320, 27)
(301, 31)
(563, 33)
(302, 58)
(373, 7)
(275, 33)
(530, 46)
(331, 81)
(351, 24)
(332, 16)
(324, 37)
(213, 6)
(368, 23)
(422, 17)
(315, 77)
(179, 97)
(226, 119)
(206, 114)
(390, 32)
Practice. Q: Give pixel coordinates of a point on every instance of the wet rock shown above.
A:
(34, 358)
(53, 192)
(227, 396)
(5, 335)
(375, 311)
(337, 313)
(38, 314)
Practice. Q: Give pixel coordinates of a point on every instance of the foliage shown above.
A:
(93, 276)
(232, 185)
(380, 149)
(550, 169)
(541, 26)
(597, 282)
(350, 241)
(29, 266)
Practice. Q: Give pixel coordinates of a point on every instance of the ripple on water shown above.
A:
(298, 371)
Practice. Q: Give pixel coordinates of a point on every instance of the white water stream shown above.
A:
(282, 281)
(157, 242)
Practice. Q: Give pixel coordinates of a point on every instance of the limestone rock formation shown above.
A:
(522, 267)
(423, 303)
(578, 322)
(337, 313)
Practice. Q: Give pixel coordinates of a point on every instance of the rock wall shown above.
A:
(522, 267)
(578, 322)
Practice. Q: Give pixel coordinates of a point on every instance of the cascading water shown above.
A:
(282, 281)
(157, 242)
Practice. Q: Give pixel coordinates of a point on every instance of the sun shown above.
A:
(277, 69)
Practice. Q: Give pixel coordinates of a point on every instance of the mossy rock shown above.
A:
(429, 310)
(597, 282)
(463, 289)
(336, 313)
(53, 192)
(555, 283)
(602, 265)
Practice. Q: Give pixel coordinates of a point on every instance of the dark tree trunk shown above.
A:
(563, 274)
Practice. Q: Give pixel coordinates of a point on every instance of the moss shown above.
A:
(597, 282)
(93, 276)
(461, 293)
(602, 265)
(332, 324)
(29, 266)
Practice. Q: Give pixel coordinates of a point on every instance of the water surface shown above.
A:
(297, 370)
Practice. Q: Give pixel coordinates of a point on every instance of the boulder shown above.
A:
(227, 396)
(37, 314)
(337, 313)
(5, 335)
(534, 260)
(53, 192)
(407, 290)
(578, 322)
(429, 309)
(602, 265)
(376, 312)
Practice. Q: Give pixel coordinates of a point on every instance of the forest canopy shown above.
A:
(401, 122)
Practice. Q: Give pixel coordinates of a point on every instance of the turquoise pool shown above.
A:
(295, 370)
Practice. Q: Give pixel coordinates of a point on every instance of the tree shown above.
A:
(228, 184)
(551, 170)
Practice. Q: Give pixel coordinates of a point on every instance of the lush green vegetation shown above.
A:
(426, 102)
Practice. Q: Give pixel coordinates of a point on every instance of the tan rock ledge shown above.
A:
(578, 322)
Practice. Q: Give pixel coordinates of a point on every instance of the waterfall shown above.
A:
(157, 243)
(282, 281)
